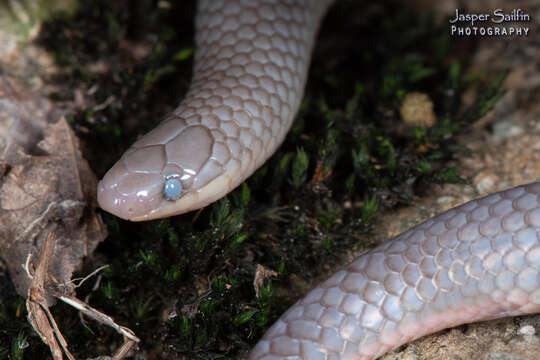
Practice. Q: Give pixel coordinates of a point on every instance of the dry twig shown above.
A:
(41, 318)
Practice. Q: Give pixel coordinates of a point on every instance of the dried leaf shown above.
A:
(260, 274)
(47, 186)
(39, 315)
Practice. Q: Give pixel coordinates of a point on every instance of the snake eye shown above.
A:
(173, 188)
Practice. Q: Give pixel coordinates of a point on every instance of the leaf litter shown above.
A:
(47, 212)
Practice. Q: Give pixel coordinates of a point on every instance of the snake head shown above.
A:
(172, 170)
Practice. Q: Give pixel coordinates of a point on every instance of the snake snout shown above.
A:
(130, 196)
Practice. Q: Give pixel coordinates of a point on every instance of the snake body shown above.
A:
(250, 70)
(477, 261)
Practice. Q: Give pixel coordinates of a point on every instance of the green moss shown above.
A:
(299, 168)
(186, 283)
(17, 339)
(19, 344)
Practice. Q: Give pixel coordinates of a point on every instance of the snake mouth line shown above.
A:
(112, 202)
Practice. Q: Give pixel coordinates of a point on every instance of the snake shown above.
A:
(475, 262)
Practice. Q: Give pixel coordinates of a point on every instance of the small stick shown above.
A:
(41, 318)
(98, 316)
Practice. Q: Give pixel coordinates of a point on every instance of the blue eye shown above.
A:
(172, 189)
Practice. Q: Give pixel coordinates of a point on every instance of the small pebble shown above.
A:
(505, 129)
(484, 183)
(445, 200)
(417, 110)
(527, 330)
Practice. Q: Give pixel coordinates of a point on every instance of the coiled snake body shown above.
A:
(477, 261)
